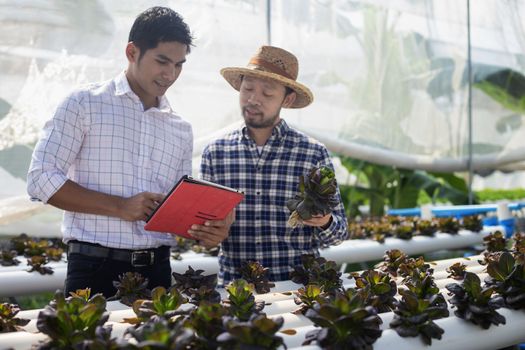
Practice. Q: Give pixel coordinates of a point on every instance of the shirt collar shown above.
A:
(122, 88)
(122, 85)
(279, 131)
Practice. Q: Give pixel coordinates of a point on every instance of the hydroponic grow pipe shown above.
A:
(17, 283)
(459, 334)
(283, 290)
(455, 210)
(302, 325)
(20, 282)
(415, 162)
(365, 250)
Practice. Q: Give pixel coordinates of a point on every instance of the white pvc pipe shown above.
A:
(461, 334)
(441, 274)
(284, 305)
(18, 208)
(181, 265)
(18, 283)
(467, 261)
(298, 338)
(23, 266)
(452, 339)
(209, 264)
(366, 250)
(111, 306)
(419, 162)
(20, 340)
(285, 291)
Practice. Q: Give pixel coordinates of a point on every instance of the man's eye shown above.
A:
(162, 62)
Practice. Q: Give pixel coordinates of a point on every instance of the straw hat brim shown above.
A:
(233, 77)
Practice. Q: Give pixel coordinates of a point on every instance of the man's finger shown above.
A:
(199, 234)
(203, 232)
(156, 197)
(151, 206)
(209, 226)
(215, 223)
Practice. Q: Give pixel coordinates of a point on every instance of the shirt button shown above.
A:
(258, 192)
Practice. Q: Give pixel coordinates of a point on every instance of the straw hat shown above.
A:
(275, 64)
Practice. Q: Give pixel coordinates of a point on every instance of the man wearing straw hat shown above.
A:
(265, 158)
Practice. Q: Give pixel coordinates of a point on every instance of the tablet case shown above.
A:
(192, 201)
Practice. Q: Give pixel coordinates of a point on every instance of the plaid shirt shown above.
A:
(268, 180)
(101, 138)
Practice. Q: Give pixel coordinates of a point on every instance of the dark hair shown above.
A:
(159, 24)
(288, 91)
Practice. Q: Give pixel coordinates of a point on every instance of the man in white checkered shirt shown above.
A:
(111, 152)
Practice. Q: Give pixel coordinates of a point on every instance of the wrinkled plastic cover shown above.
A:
(390, 78)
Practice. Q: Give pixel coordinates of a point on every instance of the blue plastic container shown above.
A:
(490, 221)
(508, 225)
(455, 210)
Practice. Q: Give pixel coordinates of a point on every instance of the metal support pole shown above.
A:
(269, 22)
(469, 71)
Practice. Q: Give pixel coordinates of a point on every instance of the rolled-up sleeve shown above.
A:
(56, 150)
(187, 158)
(337, 232)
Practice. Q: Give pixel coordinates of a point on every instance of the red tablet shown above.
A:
(192, 201)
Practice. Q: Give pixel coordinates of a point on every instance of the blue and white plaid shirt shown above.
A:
(101, 138)
(268, 180)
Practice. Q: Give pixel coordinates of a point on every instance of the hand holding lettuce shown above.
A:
(317, 196)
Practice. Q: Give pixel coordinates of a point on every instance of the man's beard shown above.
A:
(259, 123)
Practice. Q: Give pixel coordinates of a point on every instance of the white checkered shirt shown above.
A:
(101, 138)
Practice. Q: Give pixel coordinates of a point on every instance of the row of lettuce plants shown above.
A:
(315, 196)
(408, 227)
(191, 314)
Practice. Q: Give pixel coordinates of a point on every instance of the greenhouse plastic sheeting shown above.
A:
(390, 78)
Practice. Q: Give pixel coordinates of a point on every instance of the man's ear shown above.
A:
(132, 52)
(289, 99)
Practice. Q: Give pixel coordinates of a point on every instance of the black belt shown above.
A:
(137, 258)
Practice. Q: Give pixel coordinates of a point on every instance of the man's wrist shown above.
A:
(327, 225)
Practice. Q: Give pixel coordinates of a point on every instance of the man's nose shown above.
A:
(253, 99)
(169, 73)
